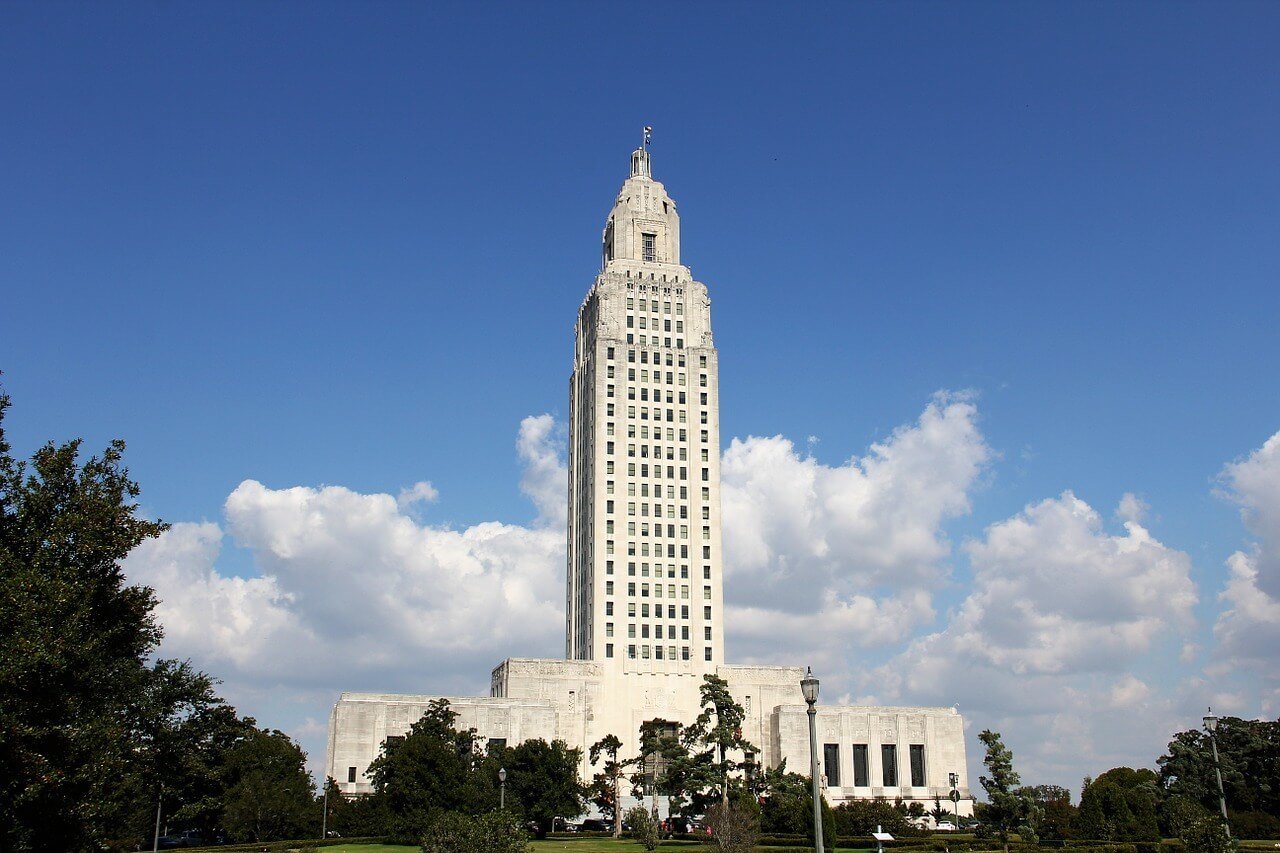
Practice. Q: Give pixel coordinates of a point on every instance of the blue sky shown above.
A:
(344, 244)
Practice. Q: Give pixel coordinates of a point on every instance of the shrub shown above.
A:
(734, 827)
(495, 832)
(643, 827)
(1208, 835)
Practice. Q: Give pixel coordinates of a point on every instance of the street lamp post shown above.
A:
(324, 812)
(954, 779)
(155, 844)
(1211, 726)
(502, 788)
(809, 687)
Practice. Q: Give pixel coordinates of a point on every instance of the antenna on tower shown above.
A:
(648, 137)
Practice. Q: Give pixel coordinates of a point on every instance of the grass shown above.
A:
(549, 845)
(573, 845)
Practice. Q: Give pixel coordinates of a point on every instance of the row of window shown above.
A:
(657, 493)
(652, 305)
(861, 765)
(670, 652)
(657, 590)
(653, 341)
(657, 631)
(657, 611)
(657, 570)
(642, 323)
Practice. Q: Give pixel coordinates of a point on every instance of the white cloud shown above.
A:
(545, 480)
(421, 492)
(1044, 645)
(353, 590)
(1248, 630)
(858, 544)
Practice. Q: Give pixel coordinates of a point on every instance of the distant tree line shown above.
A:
(1179, 800)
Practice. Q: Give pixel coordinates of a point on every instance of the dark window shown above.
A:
(496, 744)
(351, 774)
(860, 773)
(831, 761)
(889, 765)
(917, 765)
(648, 244)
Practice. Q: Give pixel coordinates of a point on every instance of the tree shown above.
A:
(859, 818)
(1248, 756)
(660, 744)
(1119, 805)
(85, 712)
(606, 787)
(542, 778)
(269, 796)
(1008, 809)
(427, 772)
(644, 827)
(358, 816)
(1057, 812)
(788, 806)
(718, 729)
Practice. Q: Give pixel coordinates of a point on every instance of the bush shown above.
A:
(734, 827)
(495, 832)
(1258, 825)
(643, 827)
(1208, 835)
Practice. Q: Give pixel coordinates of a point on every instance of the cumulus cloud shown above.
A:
(1247, 631)
(353, 586)
(422, 492)
(545, 480)
(858, 543)
(1053, 593)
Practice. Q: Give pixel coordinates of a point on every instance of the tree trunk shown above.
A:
(617, 803)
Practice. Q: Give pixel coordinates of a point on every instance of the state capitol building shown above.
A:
(644, 608)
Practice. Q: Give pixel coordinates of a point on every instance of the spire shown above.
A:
(640, 167)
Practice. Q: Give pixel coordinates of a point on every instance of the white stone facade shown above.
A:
(644, 597)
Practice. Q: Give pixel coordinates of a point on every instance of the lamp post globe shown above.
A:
(809, 688)
(1211, 726)
(502, 788)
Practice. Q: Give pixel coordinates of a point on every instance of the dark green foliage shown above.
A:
(1120, 805)
(716, 734)
(89, 724)
(606, 787)
(493, 832)
(1249, 757)
(268, 794)
(542, 782)
(429, 771)
(1057, 813)
(358, 816)
(788, 807)
(644, 828)
(1208, 835)
(1008, 808)
(859, 818)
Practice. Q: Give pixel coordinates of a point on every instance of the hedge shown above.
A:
(279, 846)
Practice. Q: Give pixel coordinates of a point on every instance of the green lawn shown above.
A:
(571, 845)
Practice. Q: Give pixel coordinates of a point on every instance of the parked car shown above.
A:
(189, 838)
(595, 824)
(945, 826)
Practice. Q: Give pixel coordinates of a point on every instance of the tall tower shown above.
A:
(644, 568)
